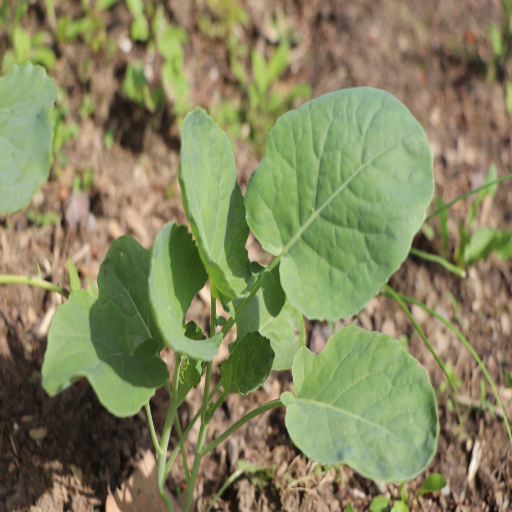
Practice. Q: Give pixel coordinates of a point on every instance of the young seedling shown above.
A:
(337, 200)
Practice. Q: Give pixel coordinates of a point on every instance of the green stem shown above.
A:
(225, 485)
(434, 258)
(181, 441)
(204, 423)
(34, 281)
(183, 454)
(152, 430)
(394, 295)
(166, 434)
(242, 421)
(471, 350)
(50, 9)
(467, 194)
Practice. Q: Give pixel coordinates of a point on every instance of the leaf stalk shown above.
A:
(34, 281)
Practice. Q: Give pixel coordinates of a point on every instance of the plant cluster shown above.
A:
(337, 200)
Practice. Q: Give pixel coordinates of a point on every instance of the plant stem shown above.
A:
(152, 430)
(204, 423)
(166, 433)
(434, 258)
(183, 454)
(50, 9)
(467, 194)
(34, 281)
(225, 485)
(471, 350)
(242, 421)
(185, 434)
(394, 295)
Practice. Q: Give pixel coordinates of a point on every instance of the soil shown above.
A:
(68, 453)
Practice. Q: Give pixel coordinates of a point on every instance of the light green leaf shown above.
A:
(273, 293)
(123, 279)
(89, 340)
(434, 483)
(259, 72)
(399, 506)
(486, 240)
(286, 331)
(339, 196)
(249, 364)
(379, 504)
(277, 63)
(369, 404)
(176, 275)
(74, 280)
(214, 204)
(26, 97)
(349, 508)
(136, 86)
(21, 43)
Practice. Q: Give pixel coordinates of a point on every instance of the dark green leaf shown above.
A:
(176, 275)
(214, 204)
(368, 403)
(123, 279)
(339, 196)
(26, 97)
(89, 340)
(248, 365)
(273, 293)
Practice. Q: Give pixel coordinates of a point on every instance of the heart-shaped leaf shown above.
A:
(176, 275)
(368, 403)
(214, 204)
(123, 279)
(286, 331)
(249, 364)
(340, 194)
(87, 339)
(26, 97)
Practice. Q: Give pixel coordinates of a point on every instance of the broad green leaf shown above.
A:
(74, 280)
(339, 196)
(214, 204)
(434, 483)
(486, 240)
(379, 504)
(368, 403)
(286, 331)
(26, 97)
(273, 293)
(123, 279)
(249, 364)
(89, 340)
(176, 275)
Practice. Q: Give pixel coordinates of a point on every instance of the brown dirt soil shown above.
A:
(434, 56)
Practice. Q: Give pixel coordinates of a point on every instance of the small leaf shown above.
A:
(399, 506)
(483, 241)
(286, 331)
(214, 204)
(89, 340)
(192, 369)
(93, 288)
(26, 97)
(248, 365)
(176, 275)
(123, 279)
(340, 194)
(379, 504)
(74, 280)
(349, 508)
(434, 483)
(368, 403)
(273, 293)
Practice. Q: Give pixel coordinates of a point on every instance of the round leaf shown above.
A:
(339, 196)
(89, 340)
(249, 364)
(365, 402)
(26, 97)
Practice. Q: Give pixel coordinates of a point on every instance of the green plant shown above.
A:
(340, 194)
